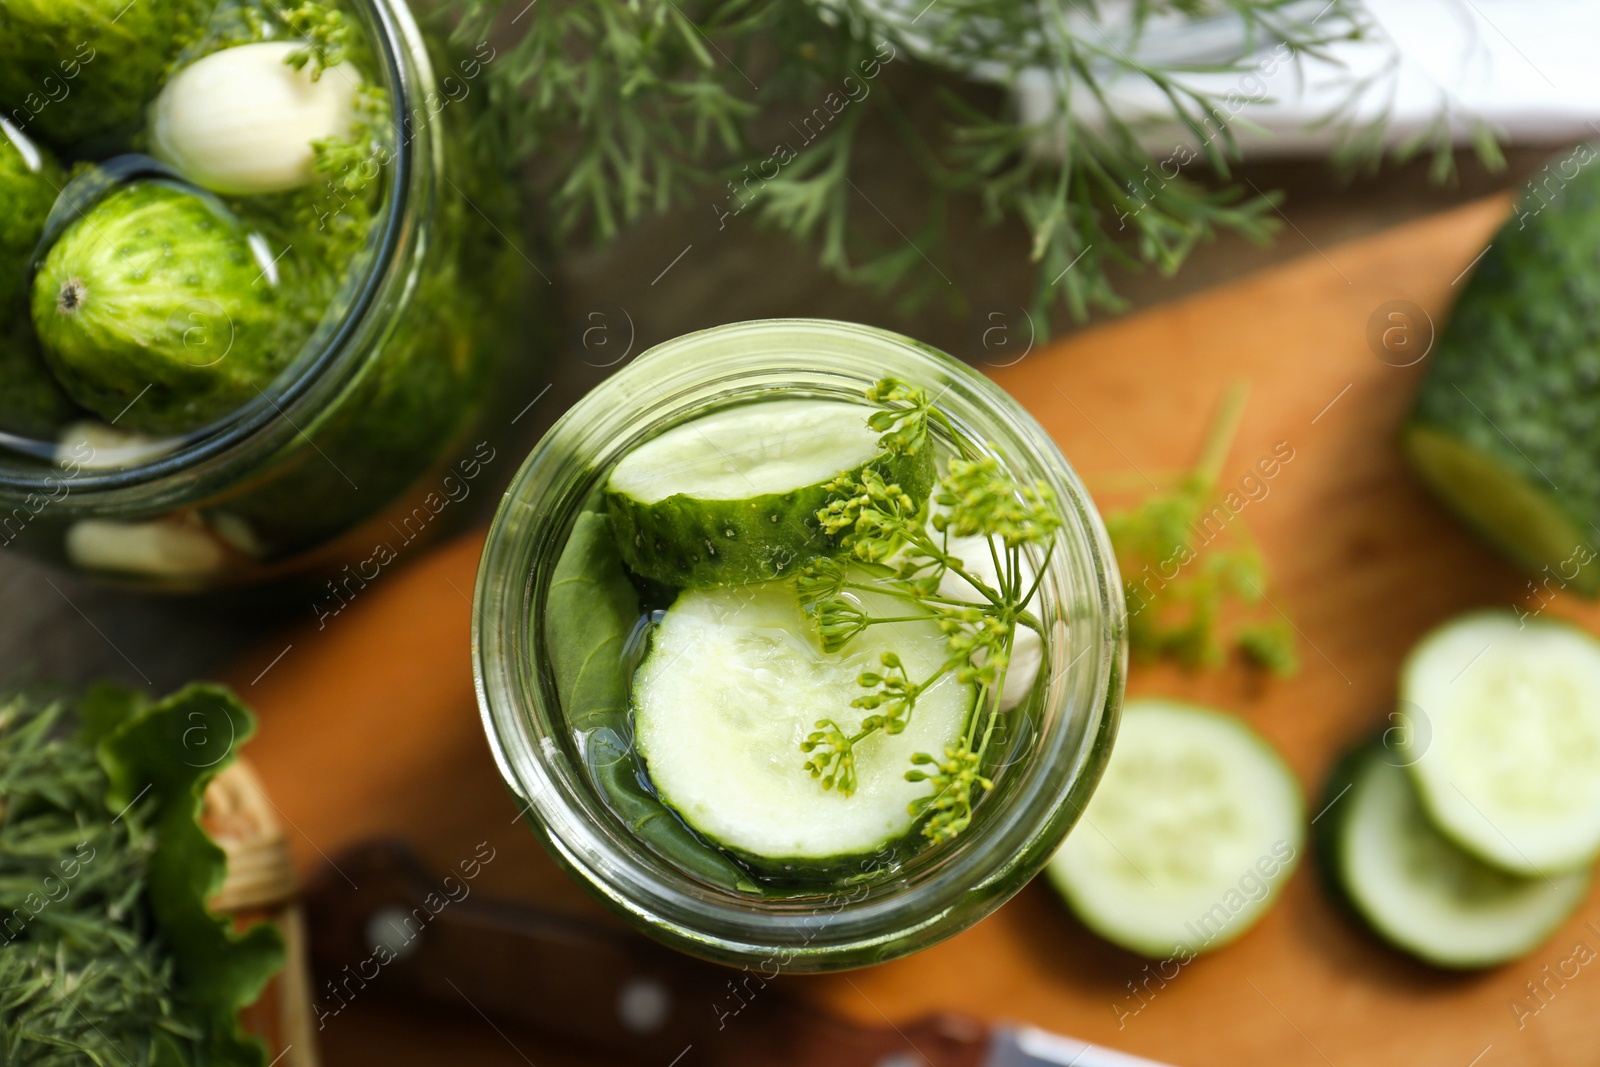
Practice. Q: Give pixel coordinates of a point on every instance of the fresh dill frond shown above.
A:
(81, 979)
(1182, 567)
(626, 108)
(325, 31)
(905, 555)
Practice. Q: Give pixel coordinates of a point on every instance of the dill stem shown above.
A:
(1219, 438)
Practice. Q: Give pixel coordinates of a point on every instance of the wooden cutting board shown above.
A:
(369, 726)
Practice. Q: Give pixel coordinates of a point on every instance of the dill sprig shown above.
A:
(82, 979)
(901, 552)
(1180, 581)
(325, 31)
(630, 107)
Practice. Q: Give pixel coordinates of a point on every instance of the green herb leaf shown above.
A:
(165, 755)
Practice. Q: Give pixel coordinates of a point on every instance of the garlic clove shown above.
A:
(161, 548)
(242, 120)
(1027, 648)
(95, 445)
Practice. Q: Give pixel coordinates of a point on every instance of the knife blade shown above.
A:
(409, 934)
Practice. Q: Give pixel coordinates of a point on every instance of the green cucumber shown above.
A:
(30, 178)
(1507, 422)
(31, 403)
(73, 69)
(589, 614)
(1503, 721)
(736, 679)
(1417, 889)
(1188, 838)
(731, 497)
(158, 314)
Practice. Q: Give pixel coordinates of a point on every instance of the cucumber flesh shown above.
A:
(732, 497)
(734, 682)
(1421, 892)
(1505, 720)
(1189, 837)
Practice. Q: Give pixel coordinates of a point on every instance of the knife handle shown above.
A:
(407, 933)
(386, 927)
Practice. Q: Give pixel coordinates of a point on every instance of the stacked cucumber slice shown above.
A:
(1469, 843)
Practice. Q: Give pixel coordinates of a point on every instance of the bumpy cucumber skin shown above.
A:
(31, 403)
(153, 311)
(1515, 375)
(692, 543)
(73, 69)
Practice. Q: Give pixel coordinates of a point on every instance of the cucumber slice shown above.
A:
(732, 497)
(734, 681)
(1189, 837)
(1421, 892)
(1504, 716)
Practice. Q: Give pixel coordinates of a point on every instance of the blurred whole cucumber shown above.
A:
(1506, 426)
(74, 69)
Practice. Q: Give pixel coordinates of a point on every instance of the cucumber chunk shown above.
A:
(732, 497)
(1421, 892)
(1507, 419)
(1189, 837)
(1504, 720)
(734, 681)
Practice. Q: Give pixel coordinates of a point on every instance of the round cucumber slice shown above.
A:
(1189, 837)
(1421, 892)
(1510, 710)
(734, 681)
(732, 497)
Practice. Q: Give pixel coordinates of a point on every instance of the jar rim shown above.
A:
(959, 882)
(394, 34)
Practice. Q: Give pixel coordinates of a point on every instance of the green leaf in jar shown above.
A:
(160, 312)
(589, 616)
(75, 69)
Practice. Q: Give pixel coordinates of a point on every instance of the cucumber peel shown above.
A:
(731, 497)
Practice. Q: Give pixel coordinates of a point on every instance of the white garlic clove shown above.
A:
(162, 548)
(94, 445)
(242, 120)
(1027, 649)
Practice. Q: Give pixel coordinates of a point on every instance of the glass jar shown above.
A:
(1053, 761)
(370, 438)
